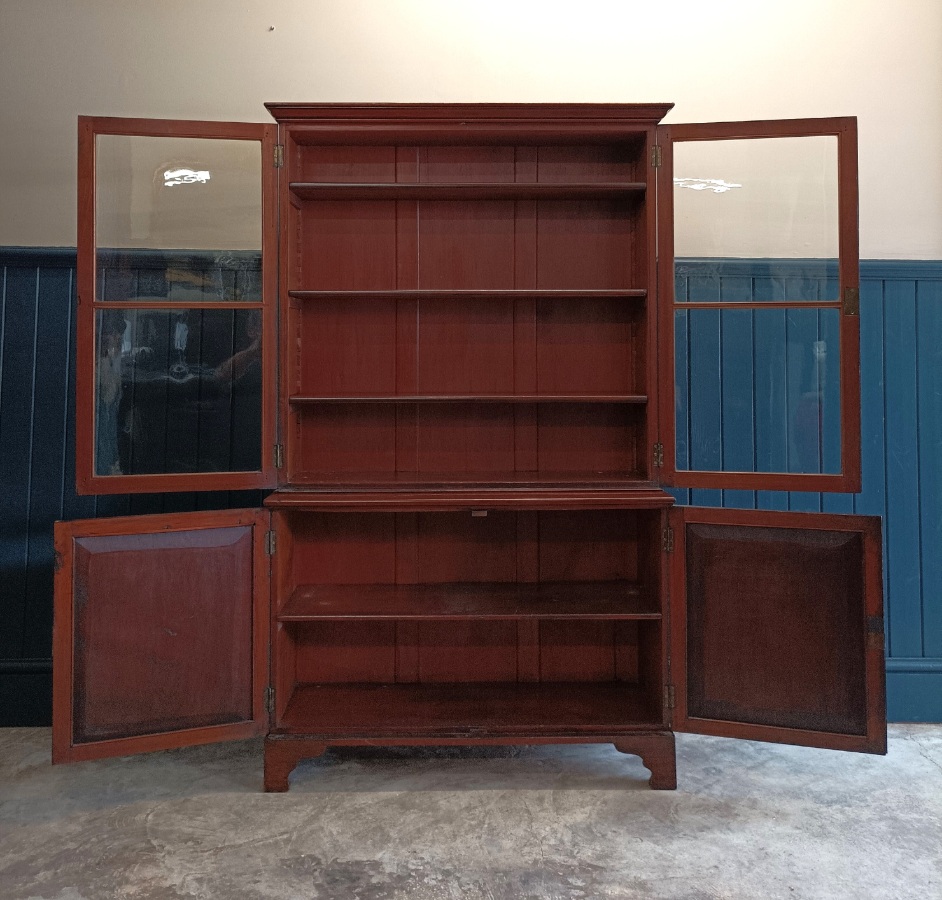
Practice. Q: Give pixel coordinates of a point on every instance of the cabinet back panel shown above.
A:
(581, 545)
(585, 244)
(465, 438)
(465, 347)
(348, 348)
(435, 652)
(346, 651)
(467, 164)
(454, 439)
(348, 245)
(467, 651)
(443, 547)
(466, 245)
(348, 438)
(344, 548)
(597, 437)
(333, 163)
(588, 651)
(593, 163)
(587, 346)
(462, 547)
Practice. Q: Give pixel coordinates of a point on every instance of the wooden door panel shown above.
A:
(777, 629)
(160, 632)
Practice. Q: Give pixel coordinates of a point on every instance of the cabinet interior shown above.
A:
(454, 310)
(396, 618)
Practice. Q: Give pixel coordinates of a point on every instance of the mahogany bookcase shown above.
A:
(467, 327)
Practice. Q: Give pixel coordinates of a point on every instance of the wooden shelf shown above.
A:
(467, 709)
(608, 190)
(432, 294)
(637, 399)
(460, 497)
(467, 600)
(398, 481)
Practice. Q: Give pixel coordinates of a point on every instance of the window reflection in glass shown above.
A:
(756, 220)
(178, 391)
(177, 220)
(758, 390)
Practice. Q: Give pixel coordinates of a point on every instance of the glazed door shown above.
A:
(177, 295)
(161, 632)
(777, 627)
(758, 286)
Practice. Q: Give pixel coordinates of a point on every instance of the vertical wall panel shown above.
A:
(37, 449)
(929, 433)
(901, 384)
(901, 520)
(20, 285)
(901, 446)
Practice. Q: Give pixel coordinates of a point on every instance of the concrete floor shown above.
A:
(750, 821)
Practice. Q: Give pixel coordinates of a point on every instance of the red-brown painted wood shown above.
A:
(471, 710)
(474, 191)
(87, 481)
(471, 600)
(470, 548)
(777, 627)
(845, 131)
(160, 632)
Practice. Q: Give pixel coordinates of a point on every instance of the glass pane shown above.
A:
(178, 391)
(756, 220)
(178, 219)
(758, 390)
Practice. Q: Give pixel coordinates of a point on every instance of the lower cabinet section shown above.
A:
(493, 626)
(436, 619)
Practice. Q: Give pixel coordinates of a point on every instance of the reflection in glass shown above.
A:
(178, 391)
(168, 236)
(758, 390)
(773, 236)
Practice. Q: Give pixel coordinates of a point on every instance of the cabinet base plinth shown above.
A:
(656, 750)
(281, 756)
(658, 754)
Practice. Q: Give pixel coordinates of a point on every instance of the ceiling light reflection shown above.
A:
(716, 185)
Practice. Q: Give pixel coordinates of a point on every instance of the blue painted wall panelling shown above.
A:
(37, 476)
(901, 436)
(901, 384)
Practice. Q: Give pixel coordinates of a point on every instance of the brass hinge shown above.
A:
(270, 543)
(658, 455)
(269, 700)
(669, 697)
(656, 155)
(278, 456)
(279, 155)
(851, 301)
(56, 560)
(668, 540)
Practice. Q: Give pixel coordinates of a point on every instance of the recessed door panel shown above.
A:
(778, 628)
(160, 632)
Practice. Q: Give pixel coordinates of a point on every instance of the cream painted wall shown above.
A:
(723, 59)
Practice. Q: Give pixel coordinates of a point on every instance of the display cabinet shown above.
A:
(468, 346)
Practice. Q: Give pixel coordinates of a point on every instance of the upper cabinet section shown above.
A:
(176, 326)
(759, 300)
(469, 293)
